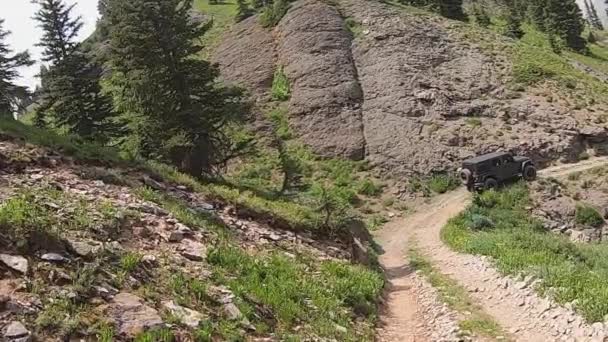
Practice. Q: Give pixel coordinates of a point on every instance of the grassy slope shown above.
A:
(223, 14)
(519, 244)
(321, 298)
(535, 64)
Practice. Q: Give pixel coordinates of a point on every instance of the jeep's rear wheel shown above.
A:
(490, 184)
(529, 173)
(465, 176)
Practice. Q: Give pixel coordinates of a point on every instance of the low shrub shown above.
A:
(588, 216)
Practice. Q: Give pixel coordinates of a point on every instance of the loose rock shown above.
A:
(15, 262)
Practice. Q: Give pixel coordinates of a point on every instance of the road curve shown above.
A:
(402, 319)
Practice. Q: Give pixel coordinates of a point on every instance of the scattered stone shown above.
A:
(232, 311)
(15, 262)
(59, 277)
(86, 248)
(149, 260)
(54, 257)
(341, 329)
(176, 236)
(131, 315)
(16, 331)
(194, 251)
(152, 183)
(274, 237)
(185, 315)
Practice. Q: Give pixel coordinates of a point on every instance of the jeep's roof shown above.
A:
(485, 157)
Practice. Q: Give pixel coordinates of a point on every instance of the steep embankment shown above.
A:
(421, 95)
(123, 251)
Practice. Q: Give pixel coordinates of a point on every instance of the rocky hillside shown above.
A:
(99, 249)
(414, 93)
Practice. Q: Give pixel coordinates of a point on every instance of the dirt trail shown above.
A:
(526, 317)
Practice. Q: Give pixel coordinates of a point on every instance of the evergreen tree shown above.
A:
(9, 63)
(564, 19)
(175, 109)
(59, 29)
(71, 96)
(243, 10)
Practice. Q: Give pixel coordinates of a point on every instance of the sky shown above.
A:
(25, 33)
(600, 6)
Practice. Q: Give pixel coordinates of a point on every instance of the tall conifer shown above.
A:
(9, 64)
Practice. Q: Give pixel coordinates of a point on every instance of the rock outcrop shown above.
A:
(246, 57)
(404, 90)
(325, 107)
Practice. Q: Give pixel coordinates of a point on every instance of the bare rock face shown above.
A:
(325, 107)
(246, 57)
(431, 100)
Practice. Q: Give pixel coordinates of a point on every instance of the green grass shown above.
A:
(69, 145)
(29, 220)
(299, 289)
(457, 298)
(223, 14)
(442, 183)
(520, 245)
(280, 86)
(354, 27)
(588, 216)
(195, 219)
(535, 63)
(474, 122)
(369, 187)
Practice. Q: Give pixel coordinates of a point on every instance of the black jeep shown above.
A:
(489, 170)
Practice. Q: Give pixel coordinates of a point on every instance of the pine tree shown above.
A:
(175, 109)
(71, 95)
(9, 64)
(60, 29)
(243, 10)
(564, 19)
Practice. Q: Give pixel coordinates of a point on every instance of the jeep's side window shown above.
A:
(508, 159)
(496, 162)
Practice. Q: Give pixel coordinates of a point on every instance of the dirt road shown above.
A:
(526, 316)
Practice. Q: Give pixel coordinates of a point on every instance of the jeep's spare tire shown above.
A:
(529, 173)
(465, 176)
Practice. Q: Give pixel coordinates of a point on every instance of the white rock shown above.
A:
(17, 263)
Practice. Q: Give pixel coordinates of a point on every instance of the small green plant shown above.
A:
(106, 333)
(130, 261)
(273, 13)
(353, 26)
(588, 216)
(280, 86)
(376, 222)
(443, 183)
(158, 335)
(280, 121)
(473, 122)
(370, 188)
